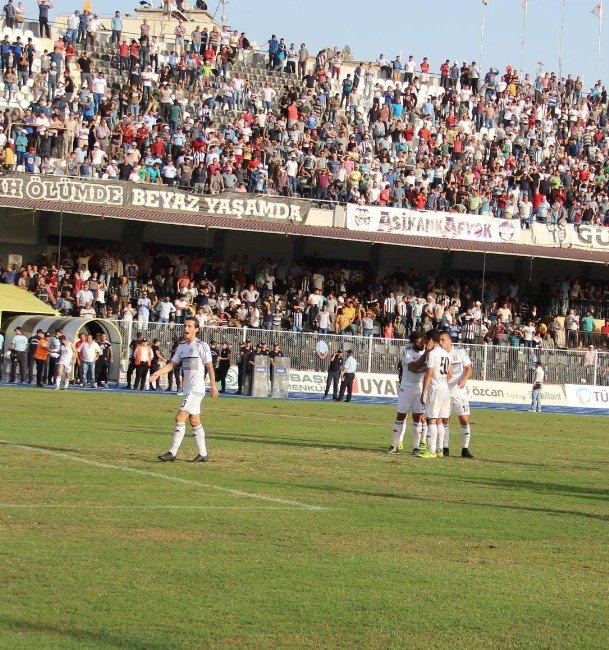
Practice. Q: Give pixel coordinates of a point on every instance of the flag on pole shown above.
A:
(598, 11)
(525, 4)
(485, 2)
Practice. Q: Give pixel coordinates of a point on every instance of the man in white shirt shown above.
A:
(435, 396)
(461, 368)
(144, 305)
(411, 368)
(166, 308)
(195, 358)
(348, 377)
(84, 296)
(89, 353)
(538, 378)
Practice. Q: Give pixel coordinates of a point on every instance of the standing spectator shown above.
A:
(224, 362)
(19, 346)
(572, 327)
(102, 368)
(117, 27)
(31, 358)
(347, 377)
(157, 358)
(538, 378)
(144, 306)
(54, 350)
(41, 356)
(333, 380)
(43, 18)
(89, 353)
(9, 14)
(143, 359)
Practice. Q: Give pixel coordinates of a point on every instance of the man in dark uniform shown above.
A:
(157, 357)
(274, 354)
(176, 373)
(31, 351)
(224, 360)
(244, 351)
(102, 367)
(336, 362)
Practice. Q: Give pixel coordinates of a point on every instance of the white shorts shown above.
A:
(459, 404)
(409, 401)
(191, 403)
(437, 405)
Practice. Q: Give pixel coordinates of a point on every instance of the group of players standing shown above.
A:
(433, 379)
(433, 382)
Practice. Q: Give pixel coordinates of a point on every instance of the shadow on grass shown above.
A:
(290, 442)
(542, 487)
(83, 636)
(458, 502)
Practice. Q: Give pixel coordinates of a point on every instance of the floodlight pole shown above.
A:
(482, 33)
(562, 33)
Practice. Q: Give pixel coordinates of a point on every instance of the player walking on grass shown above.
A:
(195, 357)
(461, 367)
(435, 396)
(412, 364)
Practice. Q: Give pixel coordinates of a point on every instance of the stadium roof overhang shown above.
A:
(194, 220)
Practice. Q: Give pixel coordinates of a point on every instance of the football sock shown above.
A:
(417, 429)
(178, 435)
(465, 436)
(58, 381)
(199, 435)
(440, 437)
(398, 431)
(432, 435)
(403, 431)
(446, 436)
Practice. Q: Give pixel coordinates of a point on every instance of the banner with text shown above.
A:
(590, 397)
(73, 192)
(387, 387)
(568, 236)
(443, 225)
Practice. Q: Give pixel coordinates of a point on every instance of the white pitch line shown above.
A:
(165, 477)
(87, 506)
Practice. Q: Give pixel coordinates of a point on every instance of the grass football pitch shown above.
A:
(299, 532)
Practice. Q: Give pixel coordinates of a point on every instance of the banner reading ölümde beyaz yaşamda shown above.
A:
(74, 192)
(443, 225)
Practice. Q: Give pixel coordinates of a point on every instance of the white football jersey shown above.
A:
(411, 380)
(459, 361)
(439, 360)
(193, 357)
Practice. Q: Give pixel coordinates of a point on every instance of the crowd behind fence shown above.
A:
(380, 356)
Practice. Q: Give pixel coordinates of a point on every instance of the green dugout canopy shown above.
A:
(15, 301)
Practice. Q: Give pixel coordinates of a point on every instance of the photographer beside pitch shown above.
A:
(195, 357)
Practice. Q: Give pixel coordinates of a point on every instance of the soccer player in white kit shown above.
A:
(435, 396)
(195, 357)
(63, 368)
(412, 362)
(461, 366)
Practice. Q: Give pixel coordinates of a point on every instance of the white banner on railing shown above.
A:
(386, 386)
(444, 225)
(590, 397)
(567, 236)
